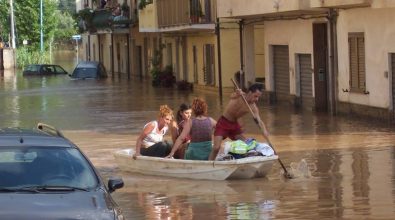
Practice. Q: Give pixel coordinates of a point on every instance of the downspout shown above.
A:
(241, 24)
(218, 32)
(99, 47)
(112, 55)
(333, 62)
(89, 47)
(128, 54)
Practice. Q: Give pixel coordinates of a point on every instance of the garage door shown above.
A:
(306, 89)
(281, 71)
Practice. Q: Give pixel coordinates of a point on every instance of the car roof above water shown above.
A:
(30, 137)
(87, 64)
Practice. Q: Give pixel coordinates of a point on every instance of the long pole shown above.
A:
(241, 24)
(12, 25)
(41, 26)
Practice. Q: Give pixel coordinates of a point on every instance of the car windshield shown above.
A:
(59, 69)
(45, 166)
(85, 73)
(32, 68)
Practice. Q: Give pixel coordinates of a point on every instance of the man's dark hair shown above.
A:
(254, 87)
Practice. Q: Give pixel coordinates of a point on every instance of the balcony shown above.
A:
(339, 3)
(165, 15)
(102, 20)
(255, 8)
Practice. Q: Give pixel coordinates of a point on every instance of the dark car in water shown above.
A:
(43, 175)
(89, 70)
(43, 70)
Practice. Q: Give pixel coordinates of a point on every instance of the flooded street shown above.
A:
(352, 161)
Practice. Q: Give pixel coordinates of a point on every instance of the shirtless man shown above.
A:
(228, 124)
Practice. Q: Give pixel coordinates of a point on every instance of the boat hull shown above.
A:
(245, 168)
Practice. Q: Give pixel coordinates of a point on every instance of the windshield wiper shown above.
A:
(32, 190)
(6, 190)
(51, 188)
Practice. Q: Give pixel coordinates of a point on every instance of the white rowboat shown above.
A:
(245, 168)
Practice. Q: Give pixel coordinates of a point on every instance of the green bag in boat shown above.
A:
(241, 147)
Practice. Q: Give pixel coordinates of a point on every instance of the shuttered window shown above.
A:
(356, 44)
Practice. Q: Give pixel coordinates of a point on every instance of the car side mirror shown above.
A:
(114, 184)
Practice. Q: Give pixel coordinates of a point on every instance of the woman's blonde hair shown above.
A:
(199, 107)
(164, 111)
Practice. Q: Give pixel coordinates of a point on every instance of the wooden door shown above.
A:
(320, 48)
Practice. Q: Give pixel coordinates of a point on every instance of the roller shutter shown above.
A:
(306, 89)
(281, 71)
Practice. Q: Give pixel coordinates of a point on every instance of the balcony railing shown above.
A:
(185, 12)
(102, 19)
(339, 3)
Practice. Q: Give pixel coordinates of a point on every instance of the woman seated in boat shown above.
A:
(150, 142)
(183, 114)
(200, 130)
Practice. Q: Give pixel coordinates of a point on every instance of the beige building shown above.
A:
(326, 55)
(108, 35)
(186, 35)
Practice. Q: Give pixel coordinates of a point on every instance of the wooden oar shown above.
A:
(286, 173)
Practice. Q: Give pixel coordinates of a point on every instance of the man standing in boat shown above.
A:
(228, 124)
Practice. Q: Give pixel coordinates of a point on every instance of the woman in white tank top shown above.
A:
(150, 142)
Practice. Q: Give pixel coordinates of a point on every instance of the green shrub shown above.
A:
(26, 56)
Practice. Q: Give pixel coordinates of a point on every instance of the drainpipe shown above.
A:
(218, 32)
(128, 54)
(333, 62)
(89, 47)
(112, 54)
(99, 47)
(241, 24)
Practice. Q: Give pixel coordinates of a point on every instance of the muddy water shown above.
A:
(351, 161)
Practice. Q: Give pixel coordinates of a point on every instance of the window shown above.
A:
(356, 45)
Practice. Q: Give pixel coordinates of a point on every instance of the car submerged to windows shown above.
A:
(43, 175)
(89, 70)
(43, 70)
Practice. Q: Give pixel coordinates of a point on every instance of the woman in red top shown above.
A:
(183, 114)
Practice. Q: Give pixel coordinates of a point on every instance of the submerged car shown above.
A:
(89, 70)
(43, 175)
(43, 69)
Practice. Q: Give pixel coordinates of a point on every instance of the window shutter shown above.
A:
(356, 43)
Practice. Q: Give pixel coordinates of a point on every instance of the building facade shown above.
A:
(325, 55)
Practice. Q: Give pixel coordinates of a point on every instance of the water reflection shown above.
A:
(351, 160)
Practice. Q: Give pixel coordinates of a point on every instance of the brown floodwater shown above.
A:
(351, 160)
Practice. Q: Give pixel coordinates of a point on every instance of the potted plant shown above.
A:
(184, 85)
(144, 3)
(125, 9)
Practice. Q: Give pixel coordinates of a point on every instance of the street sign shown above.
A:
(76, 37)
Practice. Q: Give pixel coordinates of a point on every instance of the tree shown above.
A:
(4, 20)
(65, 28)
(27, 20)
(67, 6)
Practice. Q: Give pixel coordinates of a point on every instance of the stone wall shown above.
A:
(8, 58)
